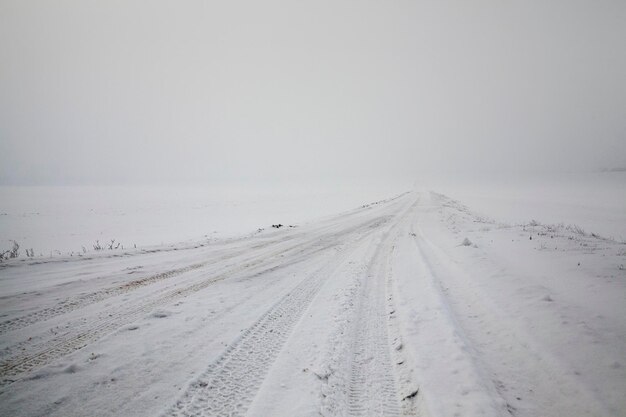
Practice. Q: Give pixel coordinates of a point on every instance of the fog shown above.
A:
(115, 92)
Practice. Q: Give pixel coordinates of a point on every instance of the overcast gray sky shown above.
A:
(115, 91)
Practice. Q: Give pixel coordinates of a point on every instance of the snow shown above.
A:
(419, 304)
(543, 318)
(59, 220)
(595, 201)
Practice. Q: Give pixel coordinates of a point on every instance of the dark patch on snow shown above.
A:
(160, 314)
(413, 394)
(72, 369)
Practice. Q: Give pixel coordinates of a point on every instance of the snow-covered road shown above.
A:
(380, 311)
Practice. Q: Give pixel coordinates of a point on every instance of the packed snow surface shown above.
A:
(415, 305)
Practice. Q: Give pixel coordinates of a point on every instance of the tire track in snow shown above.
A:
(372, 390)
(71, 304)
(75, 303)
(229, 385)
(78, 338)
(362, 379)
(402, 361)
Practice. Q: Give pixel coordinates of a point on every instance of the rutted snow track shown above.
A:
(363, 380)
(233, 377)
(228, 386)
(367, 313)
(72, 304)
(372, 390)
(31, 356)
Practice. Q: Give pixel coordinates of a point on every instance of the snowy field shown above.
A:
(450, 302)
(62, 220)
(595, 202)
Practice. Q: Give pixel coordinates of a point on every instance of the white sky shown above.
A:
(122, 91)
